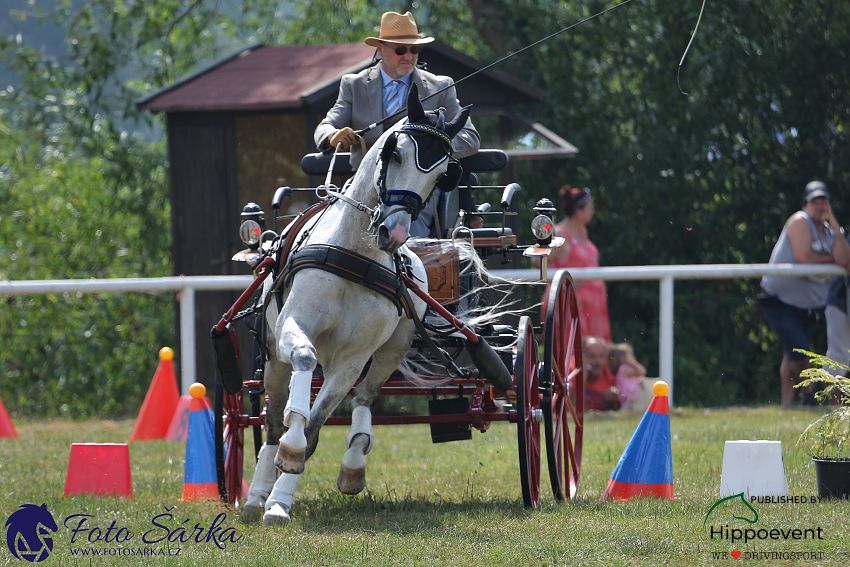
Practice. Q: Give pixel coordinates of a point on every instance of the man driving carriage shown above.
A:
(380, 91)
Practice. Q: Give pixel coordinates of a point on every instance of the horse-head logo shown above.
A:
(28, 532)
(739, 496)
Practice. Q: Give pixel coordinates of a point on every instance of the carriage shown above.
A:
(514, 380)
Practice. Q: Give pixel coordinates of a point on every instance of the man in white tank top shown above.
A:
(789, 304)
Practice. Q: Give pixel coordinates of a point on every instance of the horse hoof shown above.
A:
(289, 460)
(276, 516)
(252, 513)
(351, 481)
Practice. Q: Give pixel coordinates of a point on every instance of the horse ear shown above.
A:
(457, 123)
(415, 112)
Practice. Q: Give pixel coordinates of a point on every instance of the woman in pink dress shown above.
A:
(579, 252)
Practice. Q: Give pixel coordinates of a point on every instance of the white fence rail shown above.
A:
(187, 286)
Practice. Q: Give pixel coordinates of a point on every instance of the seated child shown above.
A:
(621, 361)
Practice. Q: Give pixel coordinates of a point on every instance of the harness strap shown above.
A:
(349, 265)
(292, 234)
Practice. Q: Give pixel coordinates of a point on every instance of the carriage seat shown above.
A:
(448, 208)
(318, 164)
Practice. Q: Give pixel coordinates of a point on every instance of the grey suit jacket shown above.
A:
(360, 104)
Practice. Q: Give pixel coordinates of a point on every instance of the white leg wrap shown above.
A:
(265, 476)
(283, 491)
(299, 396)
(361, 422)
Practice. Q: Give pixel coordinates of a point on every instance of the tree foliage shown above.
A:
(700, 179)
(707, 177)
(81, 195)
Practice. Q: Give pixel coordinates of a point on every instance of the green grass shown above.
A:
(448, 504)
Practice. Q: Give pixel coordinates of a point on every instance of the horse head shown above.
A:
(420, 152)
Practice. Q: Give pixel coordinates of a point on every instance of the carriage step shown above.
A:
(444, 432)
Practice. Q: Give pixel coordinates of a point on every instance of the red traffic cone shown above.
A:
(7, 429)
(200, 481)
(646, 466)
(180, 421)
(160, 401)
(102, 469)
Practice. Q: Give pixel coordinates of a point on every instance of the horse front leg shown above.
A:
(338, 382)
(352, 471)
(296, 346)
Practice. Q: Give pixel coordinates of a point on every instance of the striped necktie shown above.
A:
(394, 98)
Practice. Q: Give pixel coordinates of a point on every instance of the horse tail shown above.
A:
(421, 369)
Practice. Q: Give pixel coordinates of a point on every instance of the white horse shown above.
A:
(340, 324)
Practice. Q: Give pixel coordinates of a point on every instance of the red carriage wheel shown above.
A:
(562, 383)
(229, 444)
(529, 414)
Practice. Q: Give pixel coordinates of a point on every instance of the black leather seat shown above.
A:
(318, 164)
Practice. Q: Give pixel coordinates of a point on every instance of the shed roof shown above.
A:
(260, 78)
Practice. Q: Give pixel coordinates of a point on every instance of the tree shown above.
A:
(705, 178)
(82, 195)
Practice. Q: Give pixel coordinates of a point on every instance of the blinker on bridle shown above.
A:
(410, 200)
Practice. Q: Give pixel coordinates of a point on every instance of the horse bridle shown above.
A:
(409, 200)
(412, 202)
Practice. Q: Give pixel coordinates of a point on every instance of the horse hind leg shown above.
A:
(279, 503)
(352, 470)
(261, 485)
(265, 473)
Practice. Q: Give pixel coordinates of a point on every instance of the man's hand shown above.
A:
(344, 135)
(476, 222)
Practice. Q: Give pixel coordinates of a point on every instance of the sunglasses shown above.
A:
(402, 49)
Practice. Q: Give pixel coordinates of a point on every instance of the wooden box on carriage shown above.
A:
(442, 264)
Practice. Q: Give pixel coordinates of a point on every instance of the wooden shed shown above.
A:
(237, 130)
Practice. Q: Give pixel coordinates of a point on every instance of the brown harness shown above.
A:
(338, 261)
(286, 247)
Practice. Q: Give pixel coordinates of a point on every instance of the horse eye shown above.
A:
(397, 156)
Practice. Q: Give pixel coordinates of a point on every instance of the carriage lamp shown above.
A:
(252, 225)
(543, 225)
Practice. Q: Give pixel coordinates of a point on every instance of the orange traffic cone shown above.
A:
(160, 401)
(7, 429)
(646, 466)
(102, 469)
(200, 481)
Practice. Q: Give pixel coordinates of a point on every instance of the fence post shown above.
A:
(188, 367)
(665, 333)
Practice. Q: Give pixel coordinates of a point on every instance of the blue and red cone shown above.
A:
(200, 481)
(646, 466)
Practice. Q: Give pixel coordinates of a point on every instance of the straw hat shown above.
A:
(396, 28)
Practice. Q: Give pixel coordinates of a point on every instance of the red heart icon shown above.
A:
(735, 554)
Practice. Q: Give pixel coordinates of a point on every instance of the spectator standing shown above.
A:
(579, 252)
(791, 304)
